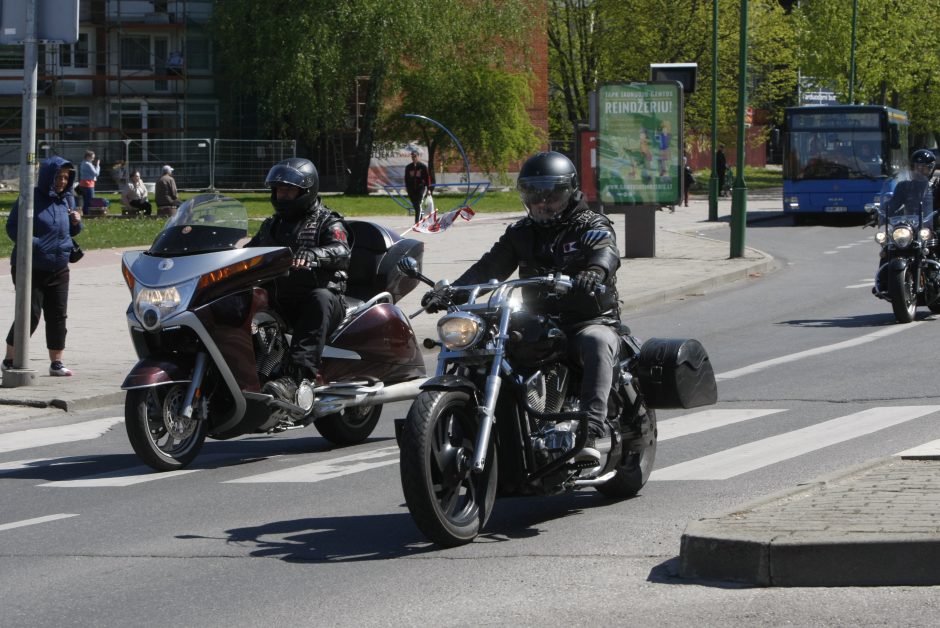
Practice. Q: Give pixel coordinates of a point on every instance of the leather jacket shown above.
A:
(321, 238)
(539, 250)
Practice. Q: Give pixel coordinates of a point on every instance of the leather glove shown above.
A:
(436, 300)
(587, 281)
(306, 260)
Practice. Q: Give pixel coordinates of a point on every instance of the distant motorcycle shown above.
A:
(208, 339)
(909, 271)
(502, 414)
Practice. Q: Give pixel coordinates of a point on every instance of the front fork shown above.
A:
(199, 371)
(487, 410)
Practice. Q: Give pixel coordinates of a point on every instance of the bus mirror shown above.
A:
(895, 136)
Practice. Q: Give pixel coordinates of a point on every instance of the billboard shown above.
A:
(639, 147)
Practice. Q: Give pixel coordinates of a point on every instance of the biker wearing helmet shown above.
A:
(548, 240)
(310, 297)
(917, 190)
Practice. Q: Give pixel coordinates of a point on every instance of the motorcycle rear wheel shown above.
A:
(349, 427)
(903, 296)
(163, 440)
(449, 503)
(636, 464)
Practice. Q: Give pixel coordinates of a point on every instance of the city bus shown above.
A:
(838, 158)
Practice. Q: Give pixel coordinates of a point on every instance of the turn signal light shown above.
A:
(128, 277)
(224, 273)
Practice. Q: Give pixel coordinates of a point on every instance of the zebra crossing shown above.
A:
(720, 465)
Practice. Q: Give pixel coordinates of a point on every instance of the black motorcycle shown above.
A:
(502, 413)
(909, 272)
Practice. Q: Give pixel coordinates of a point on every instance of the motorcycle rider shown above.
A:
(549, 240)
(310, 297)
(917, 189)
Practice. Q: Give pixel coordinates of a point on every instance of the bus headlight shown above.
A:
(794, 202)
(459, 330)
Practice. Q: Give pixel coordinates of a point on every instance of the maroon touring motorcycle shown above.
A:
(208, 340)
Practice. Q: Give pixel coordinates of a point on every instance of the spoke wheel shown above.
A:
(903, 295)
(163, 438)
(448, 501)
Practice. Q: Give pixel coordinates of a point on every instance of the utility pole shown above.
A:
(739, 193)
(714, 185)
(852, 56)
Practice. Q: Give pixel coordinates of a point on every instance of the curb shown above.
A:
(69, 405)
(762, 558)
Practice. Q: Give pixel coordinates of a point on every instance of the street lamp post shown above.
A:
(739, 192)
(852, 55)
(714, 185)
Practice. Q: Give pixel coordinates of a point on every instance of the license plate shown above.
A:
(836, 208)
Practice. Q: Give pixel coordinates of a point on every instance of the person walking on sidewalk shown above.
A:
(721, 169)
(55, 222)
(417, 182)
(549, 240)
(88, 175)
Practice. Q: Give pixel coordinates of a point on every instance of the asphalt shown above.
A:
(878, 524)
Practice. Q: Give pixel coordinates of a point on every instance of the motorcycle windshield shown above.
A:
(907, 196)
(205, 224)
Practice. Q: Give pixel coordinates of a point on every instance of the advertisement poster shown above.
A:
(639, 154)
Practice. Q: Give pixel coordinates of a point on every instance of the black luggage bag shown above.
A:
(676, 373)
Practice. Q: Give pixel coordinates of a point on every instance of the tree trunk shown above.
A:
(359, 177)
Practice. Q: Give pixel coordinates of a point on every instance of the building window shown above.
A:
(75, 55)
(197, 54)
(11, 57)
(135, 52)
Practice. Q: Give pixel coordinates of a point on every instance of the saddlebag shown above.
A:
(676, 373)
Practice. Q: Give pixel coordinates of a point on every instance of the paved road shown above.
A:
(275, 529)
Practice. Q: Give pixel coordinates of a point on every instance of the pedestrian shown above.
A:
(689, 178)
(55, 222)
(310, 296)
(721, 169)
(165, 193)
(89, 170)
(417, 183)
(134, 197)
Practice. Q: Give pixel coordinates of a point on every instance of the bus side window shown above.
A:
(894, 136)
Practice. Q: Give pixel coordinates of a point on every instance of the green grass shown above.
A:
(99, 234)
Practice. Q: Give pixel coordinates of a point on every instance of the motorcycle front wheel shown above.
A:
(903, 296)
(636, 463)
(449, 503)
(163, 439)
(350, 426)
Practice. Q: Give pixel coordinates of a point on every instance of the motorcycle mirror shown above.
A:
(409, 266)
(597, 239)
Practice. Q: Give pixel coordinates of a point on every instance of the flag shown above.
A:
(434, 223)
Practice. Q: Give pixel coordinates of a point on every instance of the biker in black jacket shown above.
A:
(310, 297)
(549, 240)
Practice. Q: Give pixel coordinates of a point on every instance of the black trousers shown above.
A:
(49, 297)
(313, 317)
(415, 196)
(141, 206)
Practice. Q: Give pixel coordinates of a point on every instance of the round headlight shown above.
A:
(880, 237)
(925, 234)
(459, 330)
(902, 236)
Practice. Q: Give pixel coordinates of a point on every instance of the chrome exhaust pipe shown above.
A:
(330, 400)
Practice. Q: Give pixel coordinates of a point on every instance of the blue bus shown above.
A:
(837, 158)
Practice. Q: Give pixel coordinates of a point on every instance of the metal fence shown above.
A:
(198, 163)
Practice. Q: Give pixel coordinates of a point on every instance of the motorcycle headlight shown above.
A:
(902, 236)
(153, 305)
(881, 237)
(459, 330)
(925, 234)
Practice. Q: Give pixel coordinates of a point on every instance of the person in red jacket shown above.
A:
(417, 182)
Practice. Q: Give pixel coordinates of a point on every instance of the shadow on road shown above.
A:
(862, 320)
(668, 573)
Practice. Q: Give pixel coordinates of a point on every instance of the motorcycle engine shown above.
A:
(545, 390)
(270, 348)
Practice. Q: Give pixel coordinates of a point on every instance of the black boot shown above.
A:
(598, 439)
(283, 388)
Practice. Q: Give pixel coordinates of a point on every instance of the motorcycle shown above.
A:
(208, 339)
(502, 416)
(909, 271)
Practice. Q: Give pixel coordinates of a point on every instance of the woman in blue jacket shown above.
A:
(55, 221)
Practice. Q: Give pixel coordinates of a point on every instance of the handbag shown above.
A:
(77, 253)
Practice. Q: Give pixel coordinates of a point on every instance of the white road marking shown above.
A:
(867, 284)
(32, 522)
(927, 450)
(744, 458)
(830, 252)
(121, 477)
(706, 420)
(793, 357)
(847, 246)
(327, 469)
(43, 436)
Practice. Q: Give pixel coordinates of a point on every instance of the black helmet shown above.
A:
(923, 161)
(300, 173)
(547, 182)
